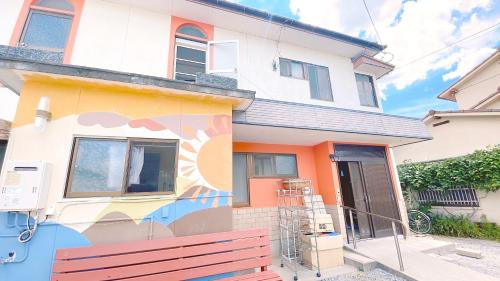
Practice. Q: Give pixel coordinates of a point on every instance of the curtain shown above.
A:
(136, 163)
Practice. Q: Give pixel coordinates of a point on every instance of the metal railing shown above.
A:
(455, 197)
(394, 231)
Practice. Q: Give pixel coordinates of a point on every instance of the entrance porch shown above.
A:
(279, 143)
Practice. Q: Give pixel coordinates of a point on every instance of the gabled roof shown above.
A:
(449, 93)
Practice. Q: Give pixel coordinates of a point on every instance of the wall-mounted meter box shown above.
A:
(24, 185)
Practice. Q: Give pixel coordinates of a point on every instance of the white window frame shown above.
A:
(209, 55)
(189, 44)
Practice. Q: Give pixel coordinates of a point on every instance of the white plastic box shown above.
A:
(24, 185)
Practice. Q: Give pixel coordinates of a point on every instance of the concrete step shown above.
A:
(360, 262)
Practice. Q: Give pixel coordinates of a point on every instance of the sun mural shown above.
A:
(204, 161)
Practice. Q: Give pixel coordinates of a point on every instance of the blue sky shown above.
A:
(411, 29)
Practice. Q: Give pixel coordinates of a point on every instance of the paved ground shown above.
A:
(488, 264)
(418, 263)
(373, 275)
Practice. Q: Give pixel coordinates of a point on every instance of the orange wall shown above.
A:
(263, 190)
(326, 172)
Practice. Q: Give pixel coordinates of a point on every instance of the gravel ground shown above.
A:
(373, 275)
(488, 264)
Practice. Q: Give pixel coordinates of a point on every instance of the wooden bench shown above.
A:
(170, 259)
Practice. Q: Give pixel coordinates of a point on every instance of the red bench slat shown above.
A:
(177, 258)
(167, 266)
(155, 256)
(150, 245)
(206, 271)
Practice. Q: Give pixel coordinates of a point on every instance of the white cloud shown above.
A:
(411, 30)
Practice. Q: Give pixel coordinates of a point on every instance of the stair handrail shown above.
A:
(393, 224)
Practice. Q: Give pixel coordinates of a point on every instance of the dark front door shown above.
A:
(366, 184)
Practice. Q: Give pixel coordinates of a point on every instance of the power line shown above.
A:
(479, 82)
(373, 23)
(488, 29)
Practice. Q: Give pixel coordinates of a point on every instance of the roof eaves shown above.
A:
(452, 88)
(121, 77)
(248, 11)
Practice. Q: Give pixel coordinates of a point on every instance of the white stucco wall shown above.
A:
(481, 85)
(9, 11)
(256, 71)
(121, 37)
(8, 104)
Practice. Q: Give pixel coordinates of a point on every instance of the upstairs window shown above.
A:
(366, 90)
(318, 77)
(290, 68)
(319, 82)
(48, 25)
(190, 52)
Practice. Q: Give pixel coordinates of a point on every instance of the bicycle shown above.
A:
(419, 222)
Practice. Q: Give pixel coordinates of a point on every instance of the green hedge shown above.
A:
(480, 170)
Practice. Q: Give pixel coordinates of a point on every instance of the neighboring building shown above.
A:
(475, 125)
(142, 143)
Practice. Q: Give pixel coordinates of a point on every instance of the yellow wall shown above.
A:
(201, 124)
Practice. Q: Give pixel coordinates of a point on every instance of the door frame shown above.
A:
(389, 172)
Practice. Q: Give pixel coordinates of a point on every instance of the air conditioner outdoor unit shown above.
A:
(24, 186)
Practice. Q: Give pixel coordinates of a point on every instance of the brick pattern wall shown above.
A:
(245, 218)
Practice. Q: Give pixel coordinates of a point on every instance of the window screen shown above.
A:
(46, 30)
(274, 165)
(319, 82)
(366, 90)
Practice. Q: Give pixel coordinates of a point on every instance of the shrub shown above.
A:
(480, 170)
(459, 226)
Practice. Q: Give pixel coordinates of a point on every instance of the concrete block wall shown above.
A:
(246, 218)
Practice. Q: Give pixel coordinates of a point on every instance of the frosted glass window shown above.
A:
(99, 166)
(46, 30)
(240, 179)
(3, 148)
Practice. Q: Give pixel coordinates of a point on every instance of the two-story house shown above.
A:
(474, 125)
(178, 117)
